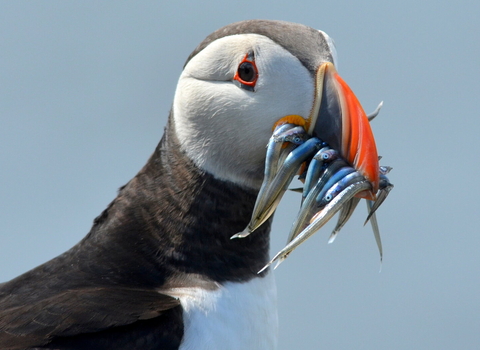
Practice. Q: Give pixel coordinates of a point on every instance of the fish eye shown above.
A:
(325, 156)
(297, 139)
(328, 197)
(247, 73)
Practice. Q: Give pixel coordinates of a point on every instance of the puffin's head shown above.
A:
(245, 78)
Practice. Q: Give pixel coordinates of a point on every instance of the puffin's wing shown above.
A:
(75, 312)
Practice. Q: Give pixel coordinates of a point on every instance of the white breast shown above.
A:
(237, 316)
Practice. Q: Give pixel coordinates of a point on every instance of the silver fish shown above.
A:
(320, 219)
(309, 206)
(274, 152)
(372, 115)
(372, 206)
(376, 230)
(269, 198)
(327, 155)
(343, 217)
(346, 177)
(384, 189)
(296, 135)
(349, 207)
(273, 160)
(315, 169)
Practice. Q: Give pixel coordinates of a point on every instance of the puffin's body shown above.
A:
(158, 269)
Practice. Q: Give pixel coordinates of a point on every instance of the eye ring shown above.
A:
(247, 73)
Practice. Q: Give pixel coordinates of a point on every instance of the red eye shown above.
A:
(247, 73)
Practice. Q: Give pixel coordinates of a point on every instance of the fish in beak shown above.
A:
(272, 191)
(336, 146)
(320, 219)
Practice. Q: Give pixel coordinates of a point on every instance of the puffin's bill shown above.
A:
(339, 119)
(320, 219)
(269, 198)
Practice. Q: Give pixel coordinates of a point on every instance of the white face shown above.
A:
(224, 127)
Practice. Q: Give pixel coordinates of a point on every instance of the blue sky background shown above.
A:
(85, 90)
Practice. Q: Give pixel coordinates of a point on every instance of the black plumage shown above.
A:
(170, 226)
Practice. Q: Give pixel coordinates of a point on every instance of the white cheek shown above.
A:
(214, 114)
(218, 132)
(224, 129)
(284, 86)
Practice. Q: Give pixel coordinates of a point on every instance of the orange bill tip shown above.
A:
(337, 117)
(359, 146)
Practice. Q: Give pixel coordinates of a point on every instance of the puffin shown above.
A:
(158, 269)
